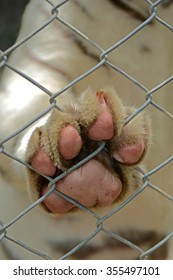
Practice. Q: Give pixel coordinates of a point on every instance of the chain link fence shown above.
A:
(153, 15)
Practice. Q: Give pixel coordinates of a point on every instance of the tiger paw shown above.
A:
(70, 136)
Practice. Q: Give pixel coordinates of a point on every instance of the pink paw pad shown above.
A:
(130, 154)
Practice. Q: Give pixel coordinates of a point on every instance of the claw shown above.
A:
(100, 96)
(103, 127)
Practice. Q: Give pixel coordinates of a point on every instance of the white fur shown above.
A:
(45, 58)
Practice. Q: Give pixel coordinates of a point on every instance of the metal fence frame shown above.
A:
(152, 7)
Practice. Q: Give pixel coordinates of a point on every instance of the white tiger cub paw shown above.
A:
(69, 136)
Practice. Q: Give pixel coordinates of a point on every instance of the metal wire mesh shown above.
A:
(149, 93)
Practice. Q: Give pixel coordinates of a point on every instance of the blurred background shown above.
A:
(10, 17)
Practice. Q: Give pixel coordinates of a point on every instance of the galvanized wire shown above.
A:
(148, 93)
